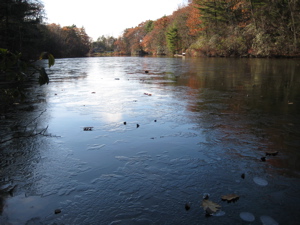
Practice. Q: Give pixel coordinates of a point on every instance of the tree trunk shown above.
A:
(293, 23)
(252, 12)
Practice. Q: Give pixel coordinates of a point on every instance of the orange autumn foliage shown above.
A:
(194, 21)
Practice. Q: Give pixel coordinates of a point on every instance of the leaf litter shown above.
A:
(210, 207)
(230, 198)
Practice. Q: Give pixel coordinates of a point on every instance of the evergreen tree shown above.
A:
(172, 39)
(19, 20)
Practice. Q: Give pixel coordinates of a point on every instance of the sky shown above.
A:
(107, 17)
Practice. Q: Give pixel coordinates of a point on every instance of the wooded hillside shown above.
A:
(220, 28)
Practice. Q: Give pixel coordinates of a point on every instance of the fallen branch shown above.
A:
(42, 133)
(32, 133)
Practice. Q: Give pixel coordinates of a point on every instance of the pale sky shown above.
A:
(110, 17)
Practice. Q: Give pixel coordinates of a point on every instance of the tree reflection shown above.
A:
(248, 97)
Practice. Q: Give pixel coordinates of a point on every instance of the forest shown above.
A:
(22, 29)
(223, 28)
(238, 28)
(24, 39)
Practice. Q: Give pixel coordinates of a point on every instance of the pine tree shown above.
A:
(172, 39)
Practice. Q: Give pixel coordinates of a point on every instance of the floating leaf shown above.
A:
(230, 198)
(272, 153)
(210, 207)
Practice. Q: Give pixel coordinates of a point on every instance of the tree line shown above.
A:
(260, 28)
(24, 38)
(22, 30)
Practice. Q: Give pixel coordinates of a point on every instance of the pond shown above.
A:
(146, 140)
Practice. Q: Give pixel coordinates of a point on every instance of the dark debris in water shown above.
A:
(187, 206)
(272, 153)
(57, 211)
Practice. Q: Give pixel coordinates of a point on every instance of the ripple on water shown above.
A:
(96, 147)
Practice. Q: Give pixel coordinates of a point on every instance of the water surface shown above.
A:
(202, 124)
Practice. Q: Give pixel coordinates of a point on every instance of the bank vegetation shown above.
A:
(239, 28)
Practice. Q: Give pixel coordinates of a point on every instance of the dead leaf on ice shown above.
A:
(210, 207)
(272, 153)
(230, 198)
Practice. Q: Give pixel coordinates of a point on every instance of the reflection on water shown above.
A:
(202, 123)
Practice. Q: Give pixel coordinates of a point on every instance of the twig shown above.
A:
(42, 133)
(34, 120)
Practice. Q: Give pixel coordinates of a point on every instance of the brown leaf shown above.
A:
(230, 197)
(210, 207)
(273, 153)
